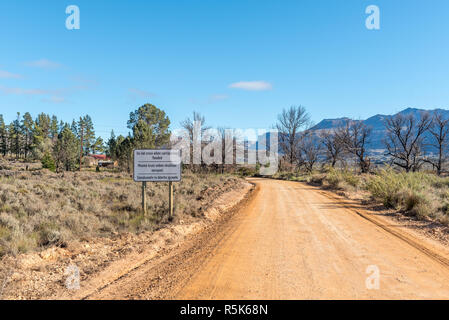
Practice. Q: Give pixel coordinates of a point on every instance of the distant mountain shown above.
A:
(330, 124)
(376, 123)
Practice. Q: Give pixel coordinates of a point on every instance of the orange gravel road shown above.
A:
(293, 241)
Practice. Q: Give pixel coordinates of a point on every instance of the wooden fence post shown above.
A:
(170, 198)
(144, 197)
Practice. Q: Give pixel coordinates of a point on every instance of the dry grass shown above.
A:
(39, 208)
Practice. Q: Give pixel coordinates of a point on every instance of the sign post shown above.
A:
(157, 166)
(170, 198)
(144, 197)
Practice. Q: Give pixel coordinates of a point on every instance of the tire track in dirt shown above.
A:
(291, 241)
(430, 253)
(162, 274)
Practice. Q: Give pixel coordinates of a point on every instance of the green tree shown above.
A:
(74, 128)
(16, 136)
(123, 152)
(98, 146)
(54, 128)
(27, 133)
(48, 162)
(86, 133)
(65, 151)
(10, 138)
(111, 146)
(3, 137)
(150, 127)
(43, 125)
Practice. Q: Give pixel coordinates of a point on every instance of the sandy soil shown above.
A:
(293, 241)
(101, 261)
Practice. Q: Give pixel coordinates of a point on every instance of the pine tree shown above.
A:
(54, 128)
(16, 136)
(150, 127)
(98, 146)
(66, 150)
(10, 138)
(3, 137)
(43, 123)
(27, 133)
(87, 133)
(74, 128)
(124, 151)
(111, 146)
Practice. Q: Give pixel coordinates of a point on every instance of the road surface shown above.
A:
(292, 241)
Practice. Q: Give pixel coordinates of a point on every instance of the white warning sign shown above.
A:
(157, 165)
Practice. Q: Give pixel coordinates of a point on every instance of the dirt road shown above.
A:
(292, 241)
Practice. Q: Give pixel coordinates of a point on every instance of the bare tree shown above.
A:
(404, 141)
(355, 136)
(195, 128)
(439, 134)
(289, 125)
(309, 149)
(228, 139)
(333, 146)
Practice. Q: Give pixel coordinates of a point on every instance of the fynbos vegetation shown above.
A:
(39, 208)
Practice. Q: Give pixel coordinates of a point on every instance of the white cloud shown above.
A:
(44, 64)
(23, 91)
(137, 93)
(9, 75)
(55, 99)
(252, 85)
(217, 97)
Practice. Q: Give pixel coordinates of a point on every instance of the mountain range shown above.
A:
(376, 123)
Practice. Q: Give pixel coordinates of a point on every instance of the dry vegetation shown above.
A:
(39, 208)
(419, 194)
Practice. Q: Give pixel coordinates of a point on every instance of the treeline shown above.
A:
(61, 146)
(56, 143)
(406, 141)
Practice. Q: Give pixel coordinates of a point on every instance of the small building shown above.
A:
(100, 160)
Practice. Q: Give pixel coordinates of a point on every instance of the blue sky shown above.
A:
(194, 55)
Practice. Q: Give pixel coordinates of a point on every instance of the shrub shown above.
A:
(48, 162)
(413, 192)
(337, 178)
(246, 171)
(49, 209)
(316, 179)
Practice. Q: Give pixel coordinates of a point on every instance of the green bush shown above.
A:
(316, 179)
(48, 162)
(336, 178)
(257, 168)
(246, 172)
(411, 191)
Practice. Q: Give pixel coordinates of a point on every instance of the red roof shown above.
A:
(99, 156)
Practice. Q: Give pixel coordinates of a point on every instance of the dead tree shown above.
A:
(355, 137)
(290, 123)
(195, 128)
(228, 142)
(404, 140)
(309, 149)
(438, 140)
(333, 146)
